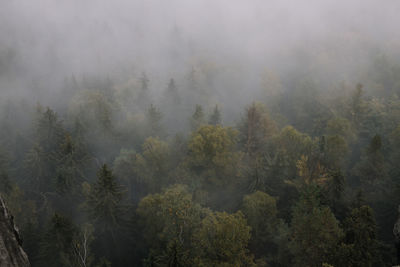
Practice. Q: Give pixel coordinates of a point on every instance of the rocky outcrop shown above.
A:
(396, 232)
(11, 252)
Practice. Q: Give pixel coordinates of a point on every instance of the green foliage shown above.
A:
(56, 248)
(40, 172)
(181, 233)
(169, 220)
(49, 130)
(315, 232)
(211, 154)
(197, 118)
(335, 151)
(171, 94)
(222, 240)
(215, 117)
(394, 154)
(357, 106)
(104, 202)
(256, 128)
(261, 213)
(290, 144)
(279, 194)
(40, 160)
(372, 166)
(64, 244)
(143, 97)
(124, 170)
(72, 160)
(152, 165)
(360, 246)
(95, 109)
(153, 118)
(341, 127)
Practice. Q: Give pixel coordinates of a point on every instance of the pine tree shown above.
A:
(105, 201)
(357, 103)
(315, 232)
(49, 131)
(171, 94)
(215, 118)
(143, 97)
(261, 214)
(255, 129)
(197, 119)
(41, 159)
(360, 246)
(56, 248)
(372, 166)
(72, 160)
(154, 117)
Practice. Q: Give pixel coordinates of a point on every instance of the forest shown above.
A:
(210, 158)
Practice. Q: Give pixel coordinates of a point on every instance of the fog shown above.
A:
(44, 41)
(144, 133)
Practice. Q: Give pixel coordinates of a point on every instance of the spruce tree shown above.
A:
(105, 201)
(171, 94)
(56, 247)
(154, 117)
(315, 232)
(197, 119)
(360, 246)
(215, 118)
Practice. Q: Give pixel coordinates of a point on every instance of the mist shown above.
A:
(45, 41)
(201, 133)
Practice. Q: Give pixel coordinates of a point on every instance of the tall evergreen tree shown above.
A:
(372, 166)
(215, 117)
(361, 247)
(171, 95)
(315, 232)
(108, 213)
(197, 118)
(56, 247)
(105, 205)
(154, 117)
(143, 98)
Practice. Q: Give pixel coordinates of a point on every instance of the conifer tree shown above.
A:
(256, 128)
(70, 165)
(215, 118)
(261, 214)
(143, 96)
(56, 248)
(49, 131)
(197, 118)
(315, 232)
(105, 201)
(171, 93)
(360, 245)
(154, 117)
(107, 213)
(372, 166)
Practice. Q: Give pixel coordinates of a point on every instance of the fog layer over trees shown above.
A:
(201, 133)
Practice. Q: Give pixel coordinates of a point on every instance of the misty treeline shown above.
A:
(202, 133)
(305, 176)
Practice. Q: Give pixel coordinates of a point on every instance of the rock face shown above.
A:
(396, 232)
(11, 252)
(396, 228)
